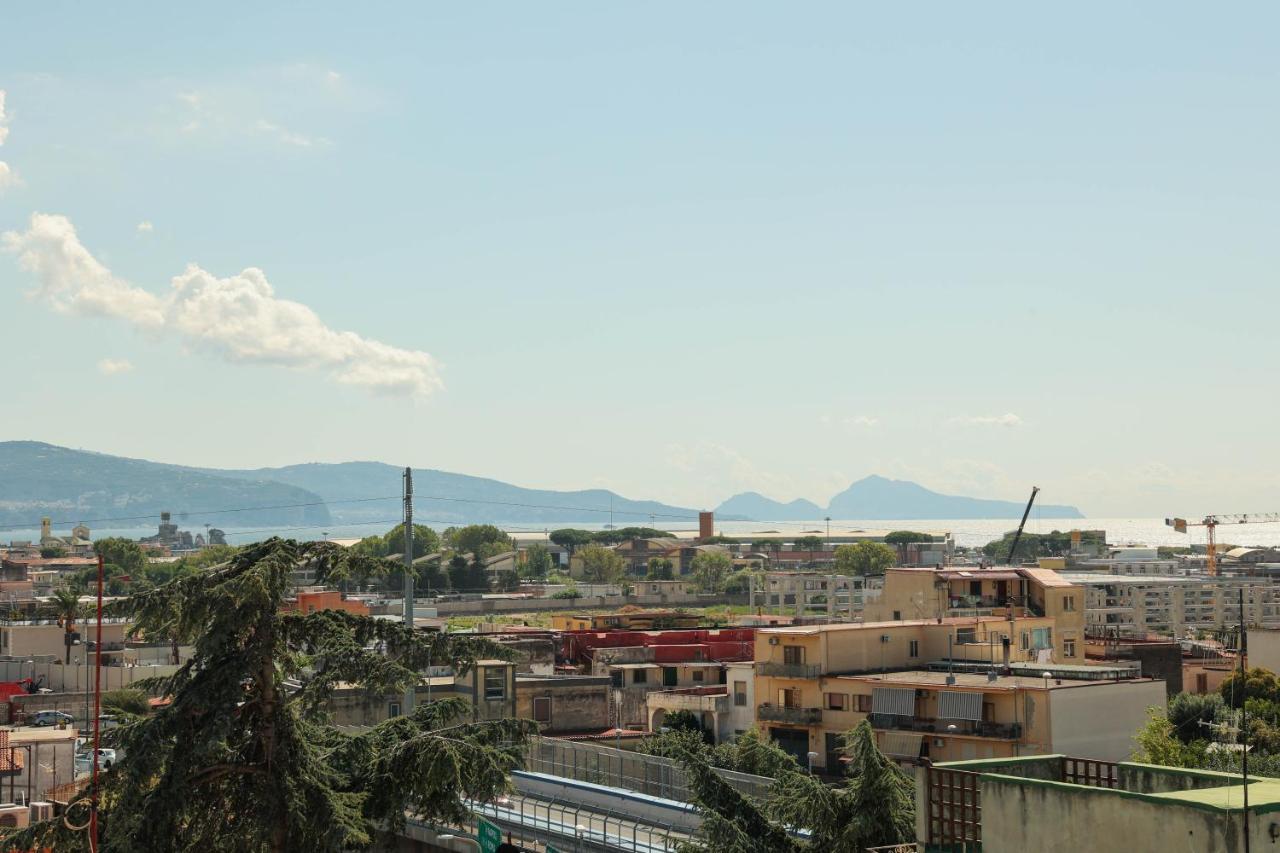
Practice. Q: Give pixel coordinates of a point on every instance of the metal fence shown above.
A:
(618, 768)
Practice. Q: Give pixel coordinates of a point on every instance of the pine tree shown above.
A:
(244, 757)
(875, 806)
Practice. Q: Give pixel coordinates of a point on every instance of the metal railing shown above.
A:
(971, 728)
(789, 670)
(634, 771)
(783, 714)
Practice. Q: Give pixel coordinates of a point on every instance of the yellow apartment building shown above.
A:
(813, 683)
(1007, 591)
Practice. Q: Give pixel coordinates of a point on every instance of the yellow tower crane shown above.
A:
(1210, 524)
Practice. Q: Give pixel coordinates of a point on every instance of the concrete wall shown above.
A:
(72, 678)
(578, 703)
(1049, 817)
(1264, 648)
(1100, 720)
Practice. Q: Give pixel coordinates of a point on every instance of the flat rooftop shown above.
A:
(902, 623)
(931, 678)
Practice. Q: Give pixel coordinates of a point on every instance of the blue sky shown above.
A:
(679, 250)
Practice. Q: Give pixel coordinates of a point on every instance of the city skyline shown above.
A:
(677, 253)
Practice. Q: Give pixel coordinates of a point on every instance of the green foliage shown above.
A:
(65, 606)
(810, 543)
(1157, 743)
(754, 753)
(1033, 545)
(571, 592)
(49, 551)
(906, 537)
(244, 758)
(739, 582)
(710, 569)
(127, 701)
(719, 540)
(875, 806)
(571, 538)
(864, 558)
(480, 540)
(537, 561)
(1187, 711)
(1259, 683)
(660, 569)
(625, 534)
(600, 564)
(124, 553)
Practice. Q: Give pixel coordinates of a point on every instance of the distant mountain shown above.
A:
(757, 506)
(448, 498)
(70, 486)
(877, 497)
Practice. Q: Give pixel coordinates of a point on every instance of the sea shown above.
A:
(966, 532)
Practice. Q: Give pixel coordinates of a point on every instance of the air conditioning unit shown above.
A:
(14, 816)
(41, 811)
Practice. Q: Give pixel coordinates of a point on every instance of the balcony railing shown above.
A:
(689, 701)
(789, 670)
(783, 714)
(969, 728)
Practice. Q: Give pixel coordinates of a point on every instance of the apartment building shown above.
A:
(1007, 591)
(814, 682)
(813, 594)
(44, 639)
(1175, 606)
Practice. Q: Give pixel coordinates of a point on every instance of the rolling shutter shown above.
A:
(953, 705)
(899, 701)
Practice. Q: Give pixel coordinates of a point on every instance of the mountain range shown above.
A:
(876, 497)
(38, 479)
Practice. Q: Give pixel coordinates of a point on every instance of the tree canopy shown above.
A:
(244, 757)
(710, 569)
(600, 564)
(864, 558)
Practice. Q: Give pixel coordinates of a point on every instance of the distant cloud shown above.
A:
(854, 421)
(238, 318)
(145, 227)
(7, 176)
(289, 137)
(112, 366)
(1006, 420)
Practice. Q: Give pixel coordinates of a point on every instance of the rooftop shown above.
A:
(860, 626)
(978, 680)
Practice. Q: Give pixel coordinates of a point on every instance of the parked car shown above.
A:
(84, 760)
(51, 718)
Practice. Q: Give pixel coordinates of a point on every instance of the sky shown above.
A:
(676, 250)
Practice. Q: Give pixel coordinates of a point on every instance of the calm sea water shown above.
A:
(967, 532)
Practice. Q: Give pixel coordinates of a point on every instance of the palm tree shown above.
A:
(66, 607)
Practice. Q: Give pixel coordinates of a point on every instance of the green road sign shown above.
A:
(551, 849)
(490, 837)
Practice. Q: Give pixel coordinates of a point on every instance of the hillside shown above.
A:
(441, 496)
(877, 497)
(38, 479)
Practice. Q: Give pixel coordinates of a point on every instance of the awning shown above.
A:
(899, 701)
(954, 705)
(901, 744)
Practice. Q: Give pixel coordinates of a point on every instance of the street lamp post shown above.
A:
(812, 756)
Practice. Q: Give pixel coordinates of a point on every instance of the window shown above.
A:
(1068, 603)
(740, 693)
(793, 655)
(615, 678)
(542, 709)
(698, 675)
(640, 677)
(897, 616)
(789, 698)
(495, 683)
(862, 703)
(1069, 648)
(966, 635)
(393, 709)
(913, 649)
(836, 701)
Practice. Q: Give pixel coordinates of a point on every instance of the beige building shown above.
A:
(813, 594)
(1175, 605)
(45, 639)
(815, 682)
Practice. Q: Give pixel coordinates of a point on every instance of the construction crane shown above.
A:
(1210, 524)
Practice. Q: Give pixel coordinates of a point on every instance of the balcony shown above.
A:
(789, 670)
(967, 728)
(782, 714)
(691, 699)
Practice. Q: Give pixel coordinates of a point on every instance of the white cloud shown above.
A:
(851, 421)
(238, 318)
(4, 120)
(288, 137)
(112, 366)
(1008, 419)
(8, 177)
(145, 227)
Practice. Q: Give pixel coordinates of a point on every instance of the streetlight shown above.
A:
(812, 756)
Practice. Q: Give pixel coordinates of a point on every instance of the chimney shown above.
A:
(706, 525)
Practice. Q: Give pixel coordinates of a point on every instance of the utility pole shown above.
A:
(1244, 726)
(409, 694)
